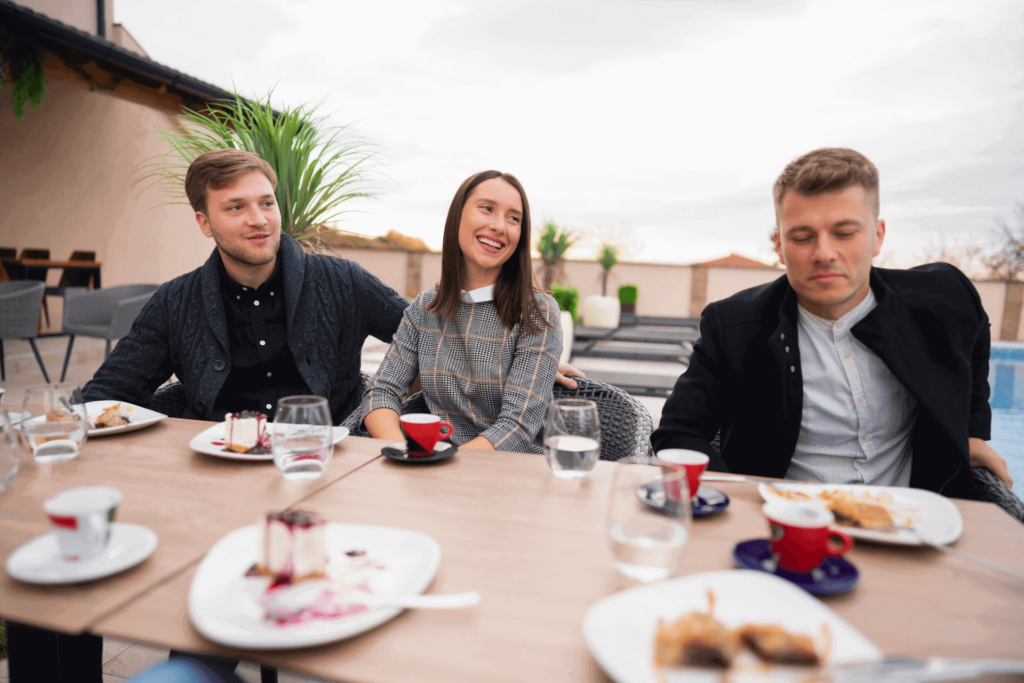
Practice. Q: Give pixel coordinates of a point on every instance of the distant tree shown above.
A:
(552, 243)
(607, 259)
(1006, 261)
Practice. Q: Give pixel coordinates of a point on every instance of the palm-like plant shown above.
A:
(607, 259)
(552, 243)
(319, 166)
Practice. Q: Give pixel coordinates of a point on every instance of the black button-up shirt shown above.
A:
(262, 367)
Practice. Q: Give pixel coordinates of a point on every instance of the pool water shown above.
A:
(1006, 381)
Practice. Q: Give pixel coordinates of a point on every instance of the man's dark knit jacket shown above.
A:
(744, 377)
(332, 306)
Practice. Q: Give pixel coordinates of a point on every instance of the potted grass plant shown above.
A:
(627, 298)
(319, 166)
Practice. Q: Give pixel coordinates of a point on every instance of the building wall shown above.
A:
(724, 281)
(993, 298)
(388, 266)
(68, 177)
(80, 14)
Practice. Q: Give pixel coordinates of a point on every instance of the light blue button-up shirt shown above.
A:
(857, 417)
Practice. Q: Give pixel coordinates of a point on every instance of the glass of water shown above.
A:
(302, 437)
(54, 422)
(572, 437)
(646, 542)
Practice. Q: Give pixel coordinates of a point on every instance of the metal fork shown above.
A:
(994, 566)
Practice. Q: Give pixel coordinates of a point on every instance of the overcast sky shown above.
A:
(657, 123)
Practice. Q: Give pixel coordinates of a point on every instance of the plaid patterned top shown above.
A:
(484, 379)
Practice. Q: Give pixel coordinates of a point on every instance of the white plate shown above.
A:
(40, 561)
(620, 629)
(211, 442)
(223, 605)
(931, 514)
(138, 417)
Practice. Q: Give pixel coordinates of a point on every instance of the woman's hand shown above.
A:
(565, 371)
(383, 423)
(982, 455)
(480, 443)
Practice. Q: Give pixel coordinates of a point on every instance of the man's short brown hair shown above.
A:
(831, 169)
(217, 169)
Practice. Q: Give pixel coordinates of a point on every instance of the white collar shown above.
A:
(849, 320)
(478, 296)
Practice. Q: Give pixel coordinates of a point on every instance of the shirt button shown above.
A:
(787, 349)
(782, 336)
(839, 325)
(792, 368)
(269, 374)
(262, 343)
(271, 294)
(255, 303)
(237, 296)
(245, 289)
(862, 398)
(268, 406)
(847, 354)
(864, 436)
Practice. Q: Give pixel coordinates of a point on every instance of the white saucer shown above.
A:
(39, 560)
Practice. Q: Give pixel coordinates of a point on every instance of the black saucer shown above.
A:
(707, 501)
(835, 575)
(398, 451)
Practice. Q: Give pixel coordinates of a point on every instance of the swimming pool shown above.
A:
(1006, 381)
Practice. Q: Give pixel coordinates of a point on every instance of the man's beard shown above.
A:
(241, 256)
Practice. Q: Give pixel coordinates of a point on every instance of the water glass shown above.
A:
(302, 437)
(54, 421)
(646, 544)
(572, 437)
(9, 452)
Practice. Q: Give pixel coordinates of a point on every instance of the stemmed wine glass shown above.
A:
(646, 543)
(302, 437)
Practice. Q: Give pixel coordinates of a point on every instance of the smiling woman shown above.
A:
(485, 341)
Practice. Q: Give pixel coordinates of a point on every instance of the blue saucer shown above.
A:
(707, 501)
(835, 575)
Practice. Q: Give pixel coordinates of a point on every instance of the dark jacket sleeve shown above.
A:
(140, 362)
(379, 305)
(692, 415)
(979, 423)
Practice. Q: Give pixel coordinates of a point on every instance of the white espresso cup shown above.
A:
(82, 519)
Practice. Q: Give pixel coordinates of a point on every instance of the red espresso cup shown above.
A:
(423, 431)
(676, 459)
(800, 536)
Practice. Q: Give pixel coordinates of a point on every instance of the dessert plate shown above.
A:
(708, 500)
(211, 442)
(620, 629)
(400, 452)
(835, 575)
(224, 606)
(138, 417)
(932, 516)
(40, 561)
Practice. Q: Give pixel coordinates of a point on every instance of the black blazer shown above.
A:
(744, 377)
(332, 306)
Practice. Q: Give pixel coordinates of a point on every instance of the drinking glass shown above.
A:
(54, 421)
(646, 543)
(302, 437)
(572, 437)
(10, 455)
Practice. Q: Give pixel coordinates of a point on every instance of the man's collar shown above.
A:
(230, 286)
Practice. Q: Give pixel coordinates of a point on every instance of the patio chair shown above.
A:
(36, 273)
(19, 317)
(170, 399)
(986, 486)
(104, 313)
(73, 278)
(626, 425)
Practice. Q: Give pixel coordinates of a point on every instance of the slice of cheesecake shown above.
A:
(294, 546)
(243, 431)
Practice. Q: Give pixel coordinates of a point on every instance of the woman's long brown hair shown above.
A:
(514, 291)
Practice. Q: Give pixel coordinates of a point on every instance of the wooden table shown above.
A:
(532, 544)
(91, 266)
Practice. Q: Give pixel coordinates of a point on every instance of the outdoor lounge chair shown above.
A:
(19, 317)
(104, 313)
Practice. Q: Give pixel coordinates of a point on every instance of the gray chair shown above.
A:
(103, 313)
(170, 399)
(986, 486)
(625, 423)
(19, 317)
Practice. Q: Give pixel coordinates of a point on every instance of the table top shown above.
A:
(189, 499)
(532, 544)
(50, 263)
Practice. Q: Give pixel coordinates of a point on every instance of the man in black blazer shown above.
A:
(840, 372)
